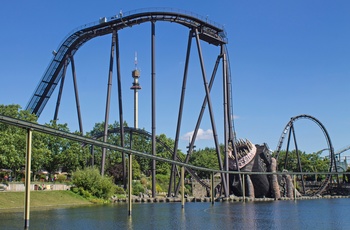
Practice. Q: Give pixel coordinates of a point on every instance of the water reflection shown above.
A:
(303, 214)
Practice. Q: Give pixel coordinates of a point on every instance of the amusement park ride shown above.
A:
(240, 155)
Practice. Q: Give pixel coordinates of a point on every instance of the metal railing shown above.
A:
(87, 140)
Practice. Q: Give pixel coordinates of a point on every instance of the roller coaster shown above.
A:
(200, 29)
(289, 128)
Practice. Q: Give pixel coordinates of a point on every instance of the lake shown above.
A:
(300, 214)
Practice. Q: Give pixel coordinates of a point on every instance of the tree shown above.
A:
(206, 158)
(13, 139)
(309, 162)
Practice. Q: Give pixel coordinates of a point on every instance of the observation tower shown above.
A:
(136, 87)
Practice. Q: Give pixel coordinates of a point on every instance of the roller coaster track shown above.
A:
(208, 31)
(342, 150)
(131, 130)
(332, 167)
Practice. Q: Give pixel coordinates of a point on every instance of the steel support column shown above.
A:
(92, 151)
(120, 99)
(61, 89)
(200, 116)
(298, 156)
(179, 119)
(226, 128)
(211, 111)
(231, 132)
(232, 135)
(108, 101)
(76, 94)
(287, 149)
(153, 60)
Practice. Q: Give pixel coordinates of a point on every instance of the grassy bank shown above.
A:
(15, 200)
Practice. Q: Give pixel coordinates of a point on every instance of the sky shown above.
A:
(286, 58)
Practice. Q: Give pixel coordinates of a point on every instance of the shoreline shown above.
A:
(135, 200)
(222, 199)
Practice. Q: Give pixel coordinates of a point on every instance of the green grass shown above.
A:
(38, 199)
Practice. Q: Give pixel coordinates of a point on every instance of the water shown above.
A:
(302, 214)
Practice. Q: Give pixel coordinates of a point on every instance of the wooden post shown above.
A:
(295, 187)
(243, 185)
(183, 187)
(130, 184)
(212, 188)
(27, 179)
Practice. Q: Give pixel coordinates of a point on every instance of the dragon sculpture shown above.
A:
(257, 158)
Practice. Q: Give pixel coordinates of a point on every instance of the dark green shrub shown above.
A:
(119, 190)
(74, 189)
(61, 178)
(137, 188)
(90, 180)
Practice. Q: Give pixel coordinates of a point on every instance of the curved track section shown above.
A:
(208, 31)
(332, 167)
(342, 150)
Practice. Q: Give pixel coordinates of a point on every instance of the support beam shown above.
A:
(212, 194)
(226, 118)
(120, 99)
(76, 95)
(299, 160)
(287, 149)
(179, 118)
(183, 187)
(243, 186)
(231, 132)
(206, 87)
(55, 117)
(108, 102)
(153, 72)
(200, 116)
(27, 179)
(130, 185)
(92, 151)
(232, 135)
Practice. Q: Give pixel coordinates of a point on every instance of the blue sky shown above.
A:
(287, 58)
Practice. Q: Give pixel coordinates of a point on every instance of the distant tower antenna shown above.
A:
(135, 60)
(136, 87)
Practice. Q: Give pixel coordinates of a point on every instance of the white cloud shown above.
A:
(201, 135)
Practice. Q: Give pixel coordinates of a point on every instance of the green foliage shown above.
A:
(13, 139)
(74, 189)
(48, 152)
(309, 162)
(119, 190)
(188, 189)
(84, 193)
(206, 158)
(89, 179)
(61, 178)
(136, 172)
(162, 182)
(137, 188)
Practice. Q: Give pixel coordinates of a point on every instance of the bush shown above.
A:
(61, 178)
(137, 188)
(90, 180)
(74, 189)
(162, 182)
(119, 190)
